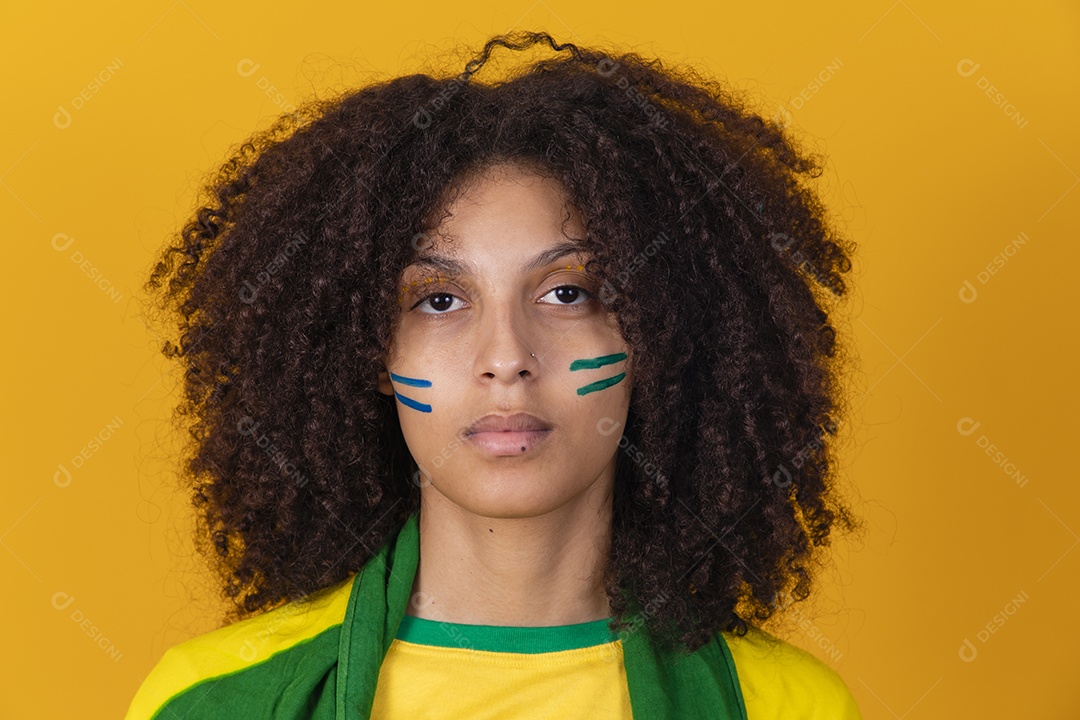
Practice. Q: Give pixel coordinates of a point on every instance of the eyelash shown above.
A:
(444, 290)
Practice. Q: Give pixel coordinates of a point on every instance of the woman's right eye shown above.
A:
(440, 301)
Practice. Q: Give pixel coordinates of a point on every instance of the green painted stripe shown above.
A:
(501, 638)
(600, 384)
(590, 363)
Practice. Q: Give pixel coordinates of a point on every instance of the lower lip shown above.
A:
(508, 442)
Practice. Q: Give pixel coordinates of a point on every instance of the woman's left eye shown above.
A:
(570, 293)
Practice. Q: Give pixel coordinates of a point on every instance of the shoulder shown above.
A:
(240, 646)
(781, 680)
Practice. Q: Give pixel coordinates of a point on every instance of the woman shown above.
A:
(509, 400)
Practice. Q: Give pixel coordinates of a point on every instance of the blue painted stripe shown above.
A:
(415, 382)
(412, 403)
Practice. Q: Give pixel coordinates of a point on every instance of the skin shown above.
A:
(518, 540)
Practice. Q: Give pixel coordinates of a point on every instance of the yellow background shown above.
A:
(927, 173)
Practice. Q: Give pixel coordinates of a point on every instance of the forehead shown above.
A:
(504, 214)
(455, 264)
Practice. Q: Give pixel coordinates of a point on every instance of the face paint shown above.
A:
(592, 363)
(415, 382)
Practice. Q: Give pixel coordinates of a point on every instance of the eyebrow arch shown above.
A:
(454, 266)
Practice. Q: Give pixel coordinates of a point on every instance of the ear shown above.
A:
(385, 386)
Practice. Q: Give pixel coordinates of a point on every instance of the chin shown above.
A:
(508, 499)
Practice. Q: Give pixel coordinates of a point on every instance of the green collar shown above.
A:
(663, 685)
(503, 638)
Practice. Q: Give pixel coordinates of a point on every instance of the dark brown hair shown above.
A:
(716, 258)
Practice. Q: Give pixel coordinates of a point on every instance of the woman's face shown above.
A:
(463, 349)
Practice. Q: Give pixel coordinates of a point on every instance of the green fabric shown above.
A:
(663, 686)
(333, 675)
(503, 638)
(297, 684)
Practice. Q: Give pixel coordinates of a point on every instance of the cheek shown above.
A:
(422, 411)
(598, 373)
(428, 390)
(599, 386)
(413, 392)
(414, 375)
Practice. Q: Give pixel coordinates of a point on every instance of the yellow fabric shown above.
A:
(777, 679)
(780, 680)
(464, 683)
(237, 646)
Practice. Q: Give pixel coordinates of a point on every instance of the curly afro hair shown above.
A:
(715, 257)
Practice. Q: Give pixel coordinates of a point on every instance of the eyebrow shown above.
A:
(454, 266)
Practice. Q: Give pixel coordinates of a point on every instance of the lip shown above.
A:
(518, 422)
(507, 442)
(503, 435)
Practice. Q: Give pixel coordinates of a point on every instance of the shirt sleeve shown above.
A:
(170, 675)
(780, 681)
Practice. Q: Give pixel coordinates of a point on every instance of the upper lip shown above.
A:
(505, 423)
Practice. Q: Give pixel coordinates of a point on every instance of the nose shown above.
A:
(506, 349)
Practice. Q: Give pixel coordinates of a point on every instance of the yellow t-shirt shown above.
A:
(285, 664)
(484, 671)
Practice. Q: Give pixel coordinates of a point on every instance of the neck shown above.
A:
(523, 572)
